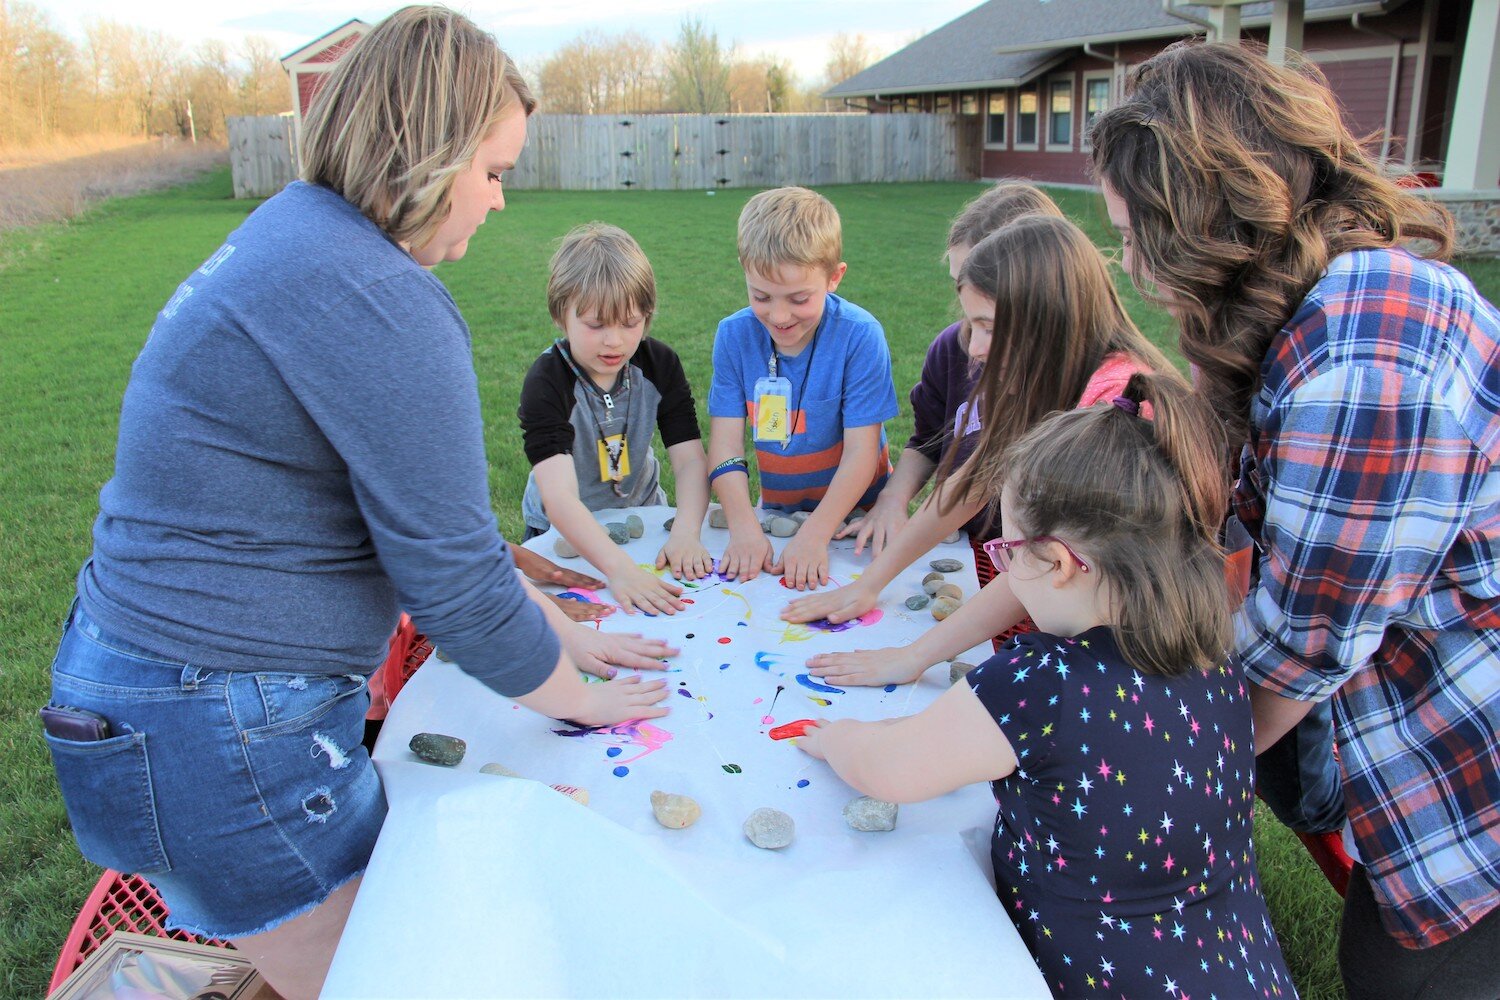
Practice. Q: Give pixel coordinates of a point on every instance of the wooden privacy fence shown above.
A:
(677, 152)
(262, 154)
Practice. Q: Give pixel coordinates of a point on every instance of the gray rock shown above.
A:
(950, 590)
(435, 748)
(766, 525)
(944, 606)
(770, 829)
(954, 538)
(675, 812)
(934, 575)
(931, 587)
(870, 815)
(667, 524)
(618, 533)
(635, 526)
(717, 518)
(800, 516)
(918, 602)
(563, 548)
(957, 669)
(500, 769)
(946, 565)
(784, 527)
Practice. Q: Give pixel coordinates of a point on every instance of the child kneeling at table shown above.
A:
(1117, 738)
(588, 409)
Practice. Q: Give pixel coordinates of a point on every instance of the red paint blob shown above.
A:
(792, 729)
(788, 586)
(688, 600)
(723, 640)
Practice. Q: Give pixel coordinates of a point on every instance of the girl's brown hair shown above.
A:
(1242, 182)
(404, 113)
(1057, 316)
(1003, 203)
(1142, 500)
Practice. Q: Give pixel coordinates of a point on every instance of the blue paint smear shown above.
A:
(806, 681)
(768, 660)
(723, 666)
(685, 692)
(803, 783)
(612, 752)
(889, 688)
(621, 771)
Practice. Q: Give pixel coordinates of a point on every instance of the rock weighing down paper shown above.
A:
(605, 900)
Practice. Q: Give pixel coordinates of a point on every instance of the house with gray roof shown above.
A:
(1026, 77)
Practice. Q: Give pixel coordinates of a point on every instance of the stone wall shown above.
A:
(1477, 218)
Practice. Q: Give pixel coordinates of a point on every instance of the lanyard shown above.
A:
(622, 383)
(801, 396)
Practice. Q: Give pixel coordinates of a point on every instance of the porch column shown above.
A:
(1225, 19)
(1286, 29)
(1473, 162)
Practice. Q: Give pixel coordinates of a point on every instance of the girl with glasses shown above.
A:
(1117, 737)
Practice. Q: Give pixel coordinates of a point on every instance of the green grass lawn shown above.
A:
(80, 298)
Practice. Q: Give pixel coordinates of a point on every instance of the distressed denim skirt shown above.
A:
(244, 798)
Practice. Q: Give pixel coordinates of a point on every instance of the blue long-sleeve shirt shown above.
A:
(301, 454)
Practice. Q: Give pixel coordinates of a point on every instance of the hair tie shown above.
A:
(1130, 406)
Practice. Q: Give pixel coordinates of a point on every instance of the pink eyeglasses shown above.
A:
(999, 550)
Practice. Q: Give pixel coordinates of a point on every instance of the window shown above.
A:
(1060, 113)
(1096, 91)
(994, 132)
(914, 103)
(1026, 107)
(943, 104)
(968, 104)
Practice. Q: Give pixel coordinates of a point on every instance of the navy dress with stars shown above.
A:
(1122, 846)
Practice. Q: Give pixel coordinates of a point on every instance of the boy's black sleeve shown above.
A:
(677, 416)
(546, 409)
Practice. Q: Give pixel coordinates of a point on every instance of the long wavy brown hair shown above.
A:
(1057, 316)
(1243, 182)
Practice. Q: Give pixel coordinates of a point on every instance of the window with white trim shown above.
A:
(994, 126)
(1026, 115)
(1060, 114)
(1096, 94)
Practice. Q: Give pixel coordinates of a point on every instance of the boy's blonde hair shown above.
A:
(790, 226)
(404, 113)
(601, 268)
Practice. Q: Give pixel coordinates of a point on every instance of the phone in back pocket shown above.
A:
(76, 724)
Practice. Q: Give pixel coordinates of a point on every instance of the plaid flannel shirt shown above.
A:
(1371, 483)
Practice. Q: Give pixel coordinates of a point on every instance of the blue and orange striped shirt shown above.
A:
(846, 382)
(1370, 483)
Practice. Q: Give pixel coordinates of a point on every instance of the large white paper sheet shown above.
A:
(489, 886)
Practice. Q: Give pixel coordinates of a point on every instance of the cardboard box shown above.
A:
(129, 966)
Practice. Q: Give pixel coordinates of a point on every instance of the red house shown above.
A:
(1028, 76)
(309, 66)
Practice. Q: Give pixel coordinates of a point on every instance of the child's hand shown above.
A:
(747, 555)
(805, 562)
(621, 700)
(635, 589)
(839, 605)
(811, 742)
(539, 569)
(602, 653)
(686, 556)
(867, 667)
(876, 528)
(582, 611)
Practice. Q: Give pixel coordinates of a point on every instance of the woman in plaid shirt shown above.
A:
(1364, 382)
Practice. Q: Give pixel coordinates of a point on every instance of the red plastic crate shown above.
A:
(118, 903)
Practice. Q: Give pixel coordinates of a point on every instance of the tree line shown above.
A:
(124, 80)
(597, 73)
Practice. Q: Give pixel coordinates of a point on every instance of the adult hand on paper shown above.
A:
(804, 561)
(621, 700)
(686, 556)
(747, 555)
(876, 528)
(868, 667)
(811, 742)
(839, 605)
(602, 653)
(636, 589)
(539, 569)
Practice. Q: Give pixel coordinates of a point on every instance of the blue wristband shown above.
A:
(731, 466)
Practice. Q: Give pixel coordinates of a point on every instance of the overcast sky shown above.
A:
(530, 29)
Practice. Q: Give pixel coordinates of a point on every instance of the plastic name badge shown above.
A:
(614, 459)
(772, 416)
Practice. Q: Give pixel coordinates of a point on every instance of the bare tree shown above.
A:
(697, 71)
(847, 55)
(263, 88)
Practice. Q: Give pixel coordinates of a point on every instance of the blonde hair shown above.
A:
(1057, 316)
(1142, 499)
(404, 113)
(1243, 182)
(1003, 203)
(601, 268)
(790, 226)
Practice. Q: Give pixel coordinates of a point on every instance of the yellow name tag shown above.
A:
(614, 459)
(771, 423)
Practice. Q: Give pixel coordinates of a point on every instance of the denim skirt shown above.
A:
(244, 798)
